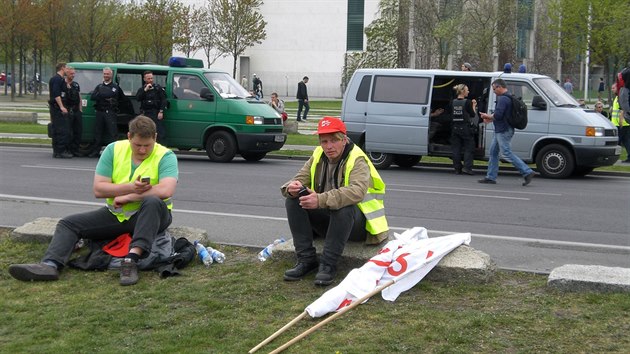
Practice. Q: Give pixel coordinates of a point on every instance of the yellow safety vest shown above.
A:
(372, 204)
(121, 174)
(616, 116)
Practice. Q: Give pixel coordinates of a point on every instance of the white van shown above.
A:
(387, 112)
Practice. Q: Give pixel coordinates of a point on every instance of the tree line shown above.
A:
(33, 32)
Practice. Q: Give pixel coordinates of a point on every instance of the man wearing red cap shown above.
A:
(338, 195)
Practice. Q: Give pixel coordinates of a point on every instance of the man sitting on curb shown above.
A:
(138, 177)
(338, 194)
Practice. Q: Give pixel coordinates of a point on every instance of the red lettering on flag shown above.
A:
(429, 254)
(403, 265)
(344, 303)
(380, 263)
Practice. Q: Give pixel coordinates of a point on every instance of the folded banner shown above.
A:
(407, 259)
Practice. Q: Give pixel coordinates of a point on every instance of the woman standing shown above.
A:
(462, 130)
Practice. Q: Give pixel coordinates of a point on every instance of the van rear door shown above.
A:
(398, 114)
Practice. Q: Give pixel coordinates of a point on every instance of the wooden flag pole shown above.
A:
(332, 317)
(278, 332)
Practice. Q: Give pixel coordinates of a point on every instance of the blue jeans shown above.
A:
(501, 144)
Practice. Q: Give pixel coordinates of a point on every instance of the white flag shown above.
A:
(407, 259)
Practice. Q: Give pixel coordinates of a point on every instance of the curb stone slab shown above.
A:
(583, 278)
(42, 229)
(463, 264)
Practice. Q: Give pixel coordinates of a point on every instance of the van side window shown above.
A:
(401, 89)
(187, 87)
(364, 89)
(88, 79)
(522, 90)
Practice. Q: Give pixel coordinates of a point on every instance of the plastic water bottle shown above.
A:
(217, 256)
(203, 253)
(267, 251)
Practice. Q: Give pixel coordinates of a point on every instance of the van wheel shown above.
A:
(406, 161)
(380, 160)
(555, 161)
(221, 146)
(253, 156)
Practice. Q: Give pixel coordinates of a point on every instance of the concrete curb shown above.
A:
(463, 265)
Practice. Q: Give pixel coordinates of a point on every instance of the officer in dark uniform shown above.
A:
(59, 114)
(106, 97)
(152, 98)
(75, 111)
(463, 115)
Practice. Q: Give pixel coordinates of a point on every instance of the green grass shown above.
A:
(22, 128)
(231, 307)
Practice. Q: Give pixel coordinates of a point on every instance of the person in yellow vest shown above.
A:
(338, 195)
(138, 177)
(617, 118)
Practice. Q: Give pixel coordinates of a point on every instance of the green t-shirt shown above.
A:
(167, 167)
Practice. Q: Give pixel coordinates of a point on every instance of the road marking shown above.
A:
(473, 189)
(261, 217)
(53, 167)
(457, 194)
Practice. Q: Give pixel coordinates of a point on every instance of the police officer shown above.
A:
(72, 102)
(152, 98)
(59, 114)
(105, 96)
(463, 113)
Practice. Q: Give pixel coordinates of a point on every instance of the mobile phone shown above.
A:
(303, 191)
(146, 179)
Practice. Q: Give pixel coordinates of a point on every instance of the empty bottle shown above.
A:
(203, 253)
(217, 256)
(267, 251)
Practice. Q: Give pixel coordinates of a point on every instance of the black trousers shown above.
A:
(159, 124)
(76, 129)
(61, 130)
(152, 218)
(105, 128)
(462, 141)
(337, 226)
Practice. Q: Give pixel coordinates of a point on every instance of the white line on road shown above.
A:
(457, 194)
(472, 189)
(250, 216)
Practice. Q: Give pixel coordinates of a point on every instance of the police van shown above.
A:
(206, 109)
(389, 113)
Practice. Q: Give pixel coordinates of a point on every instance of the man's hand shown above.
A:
(310, 201)
(293, 188)
(140, 187)
(487, 118)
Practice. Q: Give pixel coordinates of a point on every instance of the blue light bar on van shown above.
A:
(181, 62)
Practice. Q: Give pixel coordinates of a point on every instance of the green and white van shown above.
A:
(388, 112)
(220, 117)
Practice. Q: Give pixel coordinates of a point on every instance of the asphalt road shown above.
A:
(534, 228)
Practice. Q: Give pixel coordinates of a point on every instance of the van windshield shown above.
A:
(555, 93)
(226, 86)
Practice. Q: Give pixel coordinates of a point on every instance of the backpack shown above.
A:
(518, 117)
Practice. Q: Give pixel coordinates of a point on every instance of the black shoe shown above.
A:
(128, 272)
(63, 155)
(38, 271)
(299, 271)
(458, 171)
(487, 181)
(94, 153)
(325, 275)
(298, 120)
(468, 172)
(528, 179)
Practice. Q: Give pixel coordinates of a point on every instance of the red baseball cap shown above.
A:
(329, 125)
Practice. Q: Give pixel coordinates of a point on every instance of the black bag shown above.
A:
(518, 117)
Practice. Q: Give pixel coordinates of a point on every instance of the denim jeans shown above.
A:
(152, 218)
(337, 226)
(303, 104)
(501, 144)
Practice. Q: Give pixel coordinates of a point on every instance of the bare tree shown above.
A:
(238, 25)
(206, 34)
(186, 39)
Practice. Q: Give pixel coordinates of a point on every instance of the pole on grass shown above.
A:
(278, 332)
(332, 317)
